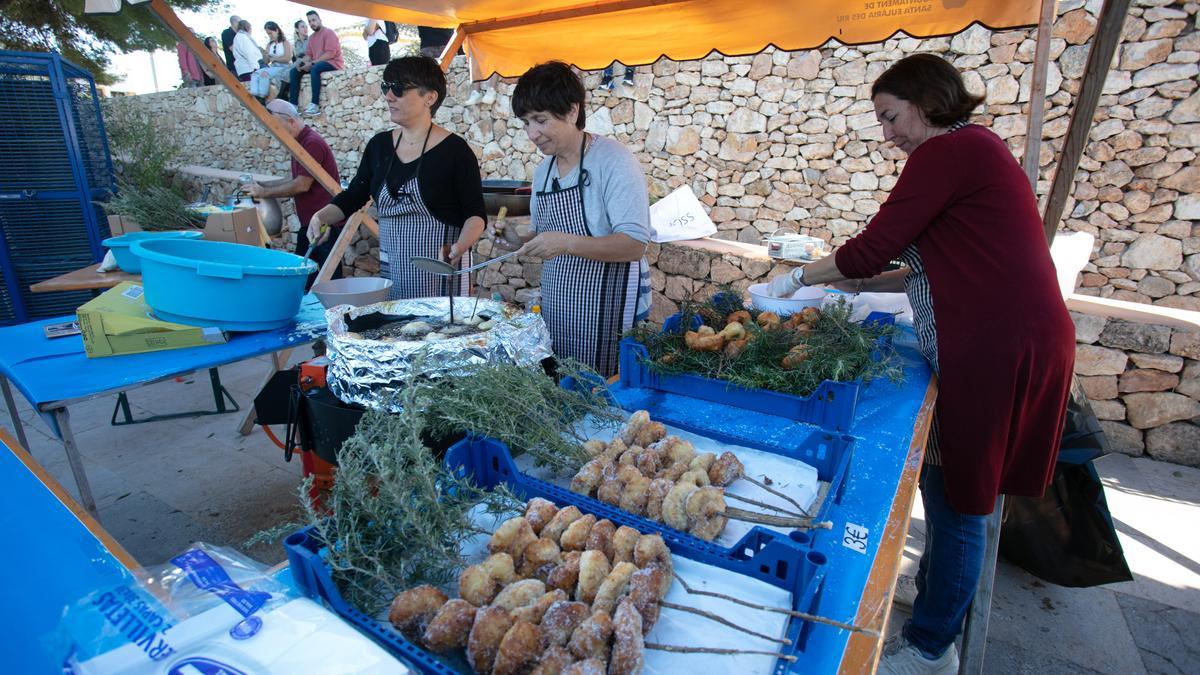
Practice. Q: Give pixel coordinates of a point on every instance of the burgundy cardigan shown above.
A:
(1005, 343)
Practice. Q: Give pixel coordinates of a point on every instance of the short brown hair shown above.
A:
(930, 83)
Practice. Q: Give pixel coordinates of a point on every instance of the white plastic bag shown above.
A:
(680, 216)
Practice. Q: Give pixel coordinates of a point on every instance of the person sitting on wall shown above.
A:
(323, 54)
(246, 52)
(310, 196)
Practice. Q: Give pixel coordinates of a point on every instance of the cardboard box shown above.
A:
(118, 322)
(240, 226)
(118, 225)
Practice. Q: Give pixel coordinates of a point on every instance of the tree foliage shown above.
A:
(87, 40)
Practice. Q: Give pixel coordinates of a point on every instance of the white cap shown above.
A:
(283, 108)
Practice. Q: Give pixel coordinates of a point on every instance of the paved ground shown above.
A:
(164, 485)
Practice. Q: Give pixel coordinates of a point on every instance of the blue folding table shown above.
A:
(54, 373)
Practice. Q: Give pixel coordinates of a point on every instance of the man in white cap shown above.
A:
(309, 195)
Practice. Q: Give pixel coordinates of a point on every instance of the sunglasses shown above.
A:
(397, 88)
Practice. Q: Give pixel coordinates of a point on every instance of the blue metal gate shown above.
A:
(54, 170)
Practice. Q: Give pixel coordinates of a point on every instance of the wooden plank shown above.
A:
(1100, 56)
(975, 631)
(1134, 311)
(862, 651)
(456, 40)
(86, 279)
(1037, 94)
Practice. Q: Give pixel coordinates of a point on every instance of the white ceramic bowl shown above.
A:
(809, 296)
(354, 291)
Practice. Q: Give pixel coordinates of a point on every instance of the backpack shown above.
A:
(392, 30)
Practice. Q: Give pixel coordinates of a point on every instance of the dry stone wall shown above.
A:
(790, 139)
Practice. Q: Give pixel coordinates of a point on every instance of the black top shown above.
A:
(227, 36)
(450, 184)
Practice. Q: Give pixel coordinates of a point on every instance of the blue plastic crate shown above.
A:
(781, 561)
(830, 407)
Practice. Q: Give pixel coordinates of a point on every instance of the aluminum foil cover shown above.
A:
(370, 372)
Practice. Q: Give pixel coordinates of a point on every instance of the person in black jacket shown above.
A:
(227, 37)
(425, 183)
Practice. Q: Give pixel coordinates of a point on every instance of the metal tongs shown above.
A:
(445, 269)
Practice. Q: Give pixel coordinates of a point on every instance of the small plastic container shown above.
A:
(130, 263)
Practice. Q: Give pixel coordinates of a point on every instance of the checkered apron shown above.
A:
(406, 229)
(587, 304)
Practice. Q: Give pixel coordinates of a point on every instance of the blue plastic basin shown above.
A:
(126, 260)
(214, 283)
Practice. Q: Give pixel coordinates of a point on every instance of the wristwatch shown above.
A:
(798, 277)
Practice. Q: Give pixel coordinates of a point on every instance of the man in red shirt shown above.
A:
(309, 195)
(323, 54)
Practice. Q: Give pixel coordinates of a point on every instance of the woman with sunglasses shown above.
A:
(591, 216)
(425, 183)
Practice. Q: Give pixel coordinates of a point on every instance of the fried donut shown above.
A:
(674, 471)
(627, 656)
(519, 594)
(726, 469)
(700, 462)
(512, 537)
(609, 472)
(628, 472)
(500, 567)
(450, 627)
(768, 320)
(491, 625)
(741, 316)
(553, 660)
(650, 432)
(650, 461)
(594, 448)
(679, 450)
(610, 492)
(706, 512)
(585, 667)
(537, 555)
(674, 512)
(533, 613)
(576, 536)
(476, 586)
(558, 524)
(600, 538)
(414, 608)
(634, 425)
(696, 477)
(652, 550)
(539, 512)
(590, 639)
(655, 494)
(518, 647)
(646, 589)
(566, 573)
(630, 456)
(589, 476)
(615, 447)
(593, 568)
(635, 495)
(561, 620)
(614, 586)
(623, 540)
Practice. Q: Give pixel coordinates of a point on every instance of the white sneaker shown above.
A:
(475, 98)
(312, 109)
(900, 657)
(489, 97)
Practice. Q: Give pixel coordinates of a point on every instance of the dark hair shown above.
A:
(271, 25)
(244, 25)
(211, 39)
(422, 71)
(312, 12)
(299, 22)
(549, 87)
(931, 84)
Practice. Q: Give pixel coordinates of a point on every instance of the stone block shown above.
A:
(1146, 379)
(1149, 410)
(1087, 326)
(1164, 362)
(1123, 438)
(1140, 337)
(1186, 344)
(1094, 360)
(1178, 442)
(1099, 387)
(1109, 410)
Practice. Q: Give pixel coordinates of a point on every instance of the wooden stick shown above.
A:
(778, 521)
(777, 493)
(723, 621)
(730, 495)
(715, 650)
(780, 610)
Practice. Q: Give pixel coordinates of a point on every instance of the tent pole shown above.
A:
(456, 40)
(1100, 56)
(1037, 94)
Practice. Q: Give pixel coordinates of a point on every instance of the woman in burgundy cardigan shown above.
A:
(989, 317)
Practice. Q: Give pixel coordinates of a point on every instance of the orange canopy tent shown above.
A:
(509, 36)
